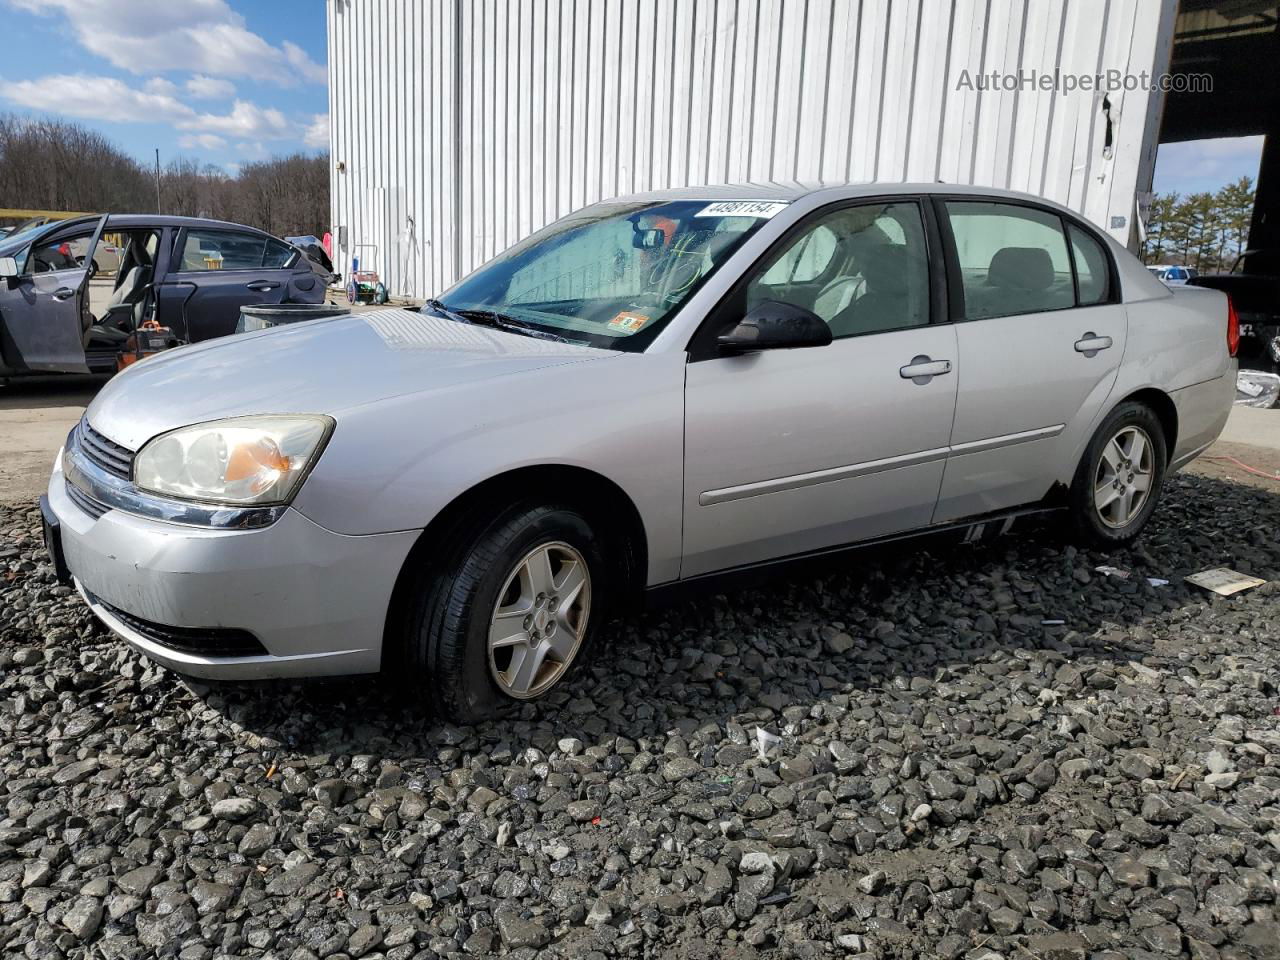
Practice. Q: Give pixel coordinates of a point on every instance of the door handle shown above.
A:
(262, 285)
(922, 369)
(63, 293)
(1091, 343)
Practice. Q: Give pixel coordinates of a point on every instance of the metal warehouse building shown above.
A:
(460, 126)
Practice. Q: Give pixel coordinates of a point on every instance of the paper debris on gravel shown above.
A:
(1109, 571)
(766, 741)
(1157, 581)
(1224, 581)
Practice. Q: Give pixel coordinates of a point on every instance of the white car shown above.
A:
(1174, 275)
(106, 256)
(652, 391)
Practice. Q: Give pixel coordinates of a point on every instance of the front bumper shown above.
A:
(314, 600)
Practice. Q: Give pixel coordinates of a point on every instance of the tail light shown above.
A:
(1233, 328)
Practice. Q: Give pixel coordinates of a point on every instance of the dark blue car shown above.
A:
(188, 274)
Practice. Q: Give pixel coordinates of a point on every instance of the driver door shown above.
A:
(45, 309)
(792, 451)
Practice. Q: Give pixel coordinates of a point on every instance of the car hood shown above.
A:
(318, 366)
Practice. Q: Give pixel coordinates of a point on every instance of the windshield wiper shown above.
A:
(504, 321)
(445, 312)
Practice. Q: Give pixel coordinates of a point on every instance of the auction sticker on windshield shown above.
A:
(630, 322)
(763, 209)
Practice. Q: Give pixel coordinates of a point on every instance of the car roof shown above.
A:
(791, 190)
(133, 221)
(127, 220)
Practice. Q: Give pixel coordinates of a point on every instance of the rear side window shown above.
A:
(1093, 278)
(277, 255)
(1013, 259)
(229, 250)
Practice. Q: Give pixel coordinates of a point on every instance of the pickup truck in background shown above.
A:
(1254, 287)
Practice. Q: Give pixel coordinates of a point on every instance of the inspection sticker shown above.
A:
(762, 209)
(630, 322)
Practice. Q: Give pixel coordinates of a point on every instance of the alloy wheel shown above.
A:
(1122, 482)
(539, 620)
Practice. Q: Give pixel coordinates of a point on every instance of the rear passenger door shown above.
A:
(1040, 333)
(214, 272)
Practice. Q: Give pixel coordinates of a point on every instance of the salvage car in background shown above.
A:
(1254, 287)
(651, 391)
(105, 259)
(187, 275)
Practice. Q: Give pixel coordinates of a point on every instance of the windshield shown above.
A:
(611, 274)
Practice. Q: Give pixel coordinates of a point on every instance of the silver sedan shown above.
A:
(653, 390)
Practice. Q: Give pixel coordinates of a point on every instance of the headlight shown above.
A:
(245, 460)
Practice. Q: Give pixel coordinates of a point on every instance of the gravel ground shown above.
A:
(951, 776)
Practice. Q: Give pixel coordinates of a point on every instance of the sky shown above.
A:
(220, 81)
(229, 81)
(1202, 166)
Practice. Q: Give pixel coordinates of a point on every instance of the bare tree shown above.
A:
(56, 165)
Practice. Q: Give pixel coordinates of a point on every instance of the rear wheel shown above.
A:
(509, 614)
(1119, 480)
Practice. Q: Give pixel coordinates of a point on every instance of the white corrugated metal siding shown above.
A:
(460, 126)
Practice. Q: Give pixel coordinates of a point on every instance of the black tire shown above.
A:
(1087, 524)
(445, 645)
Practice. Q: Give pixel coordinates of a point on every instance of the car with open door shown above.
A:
(187, 276)
(651, 392)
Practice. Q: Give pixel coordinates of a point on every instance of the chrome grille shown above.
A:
(85, 502)
(105, 454)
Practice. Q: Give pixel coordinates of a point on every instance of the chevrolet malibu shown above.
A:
(653, 390)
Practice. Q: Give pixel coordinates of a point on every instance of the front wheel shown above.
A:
(1119, 480)
(506, 618)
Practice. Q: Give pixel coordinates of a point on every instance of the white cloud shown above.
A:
(205, 87)
(204, 36)
(108, 98)
(161, 86)
(317, 132)
(96, 98)
(300, 61)
(245, 120)
(205, 141)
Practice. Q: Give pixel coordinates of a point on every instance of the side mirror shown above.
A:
(8, 268)
(775, 326)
